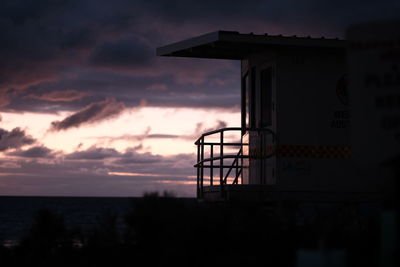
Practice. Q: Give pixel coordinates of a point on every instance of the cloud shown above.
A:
(157, 87)
(200, 129)
(34, 152)
(60, 96)
(133, 157)
(96, 35)
(93, 113)
(132, 161)
(31, 53)
(130, 156)
(87, 173)
(93, 153)
(137, 137)
(93, 35)
(162, 136)
(15, 138)
(122, 53)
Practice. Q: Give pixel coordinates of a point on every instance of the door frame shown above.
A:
(268, 166)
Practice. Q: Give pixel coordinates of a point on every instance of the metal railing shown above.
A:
(220, 162)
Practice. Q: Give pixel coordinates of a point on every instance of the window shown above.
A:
(252, 99)
(266, 97)
(245, 101)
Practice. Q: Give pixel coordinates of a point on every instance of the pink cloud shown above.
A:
(92, 113)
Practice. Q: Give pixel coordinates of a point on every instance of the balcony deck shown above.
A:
(224, 168)
(224, 179)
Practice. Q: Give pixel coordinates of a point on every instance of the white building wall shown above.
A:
(313, 122)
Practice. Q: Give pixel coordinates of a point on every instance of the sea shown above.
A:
(16, 213)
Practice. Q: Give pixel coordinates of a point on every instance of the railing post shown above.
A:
(221, 162)
(237, 169)
(241, 160)
(198, 170)
(211, 164)
(202, 166)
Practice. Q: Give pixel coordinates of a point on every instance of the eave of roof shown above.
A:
(234, 45)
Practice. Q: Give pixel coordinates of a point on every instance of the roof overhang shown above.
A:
(233, 45)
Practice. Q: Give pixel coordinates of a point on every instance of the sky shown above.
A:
(88, 109)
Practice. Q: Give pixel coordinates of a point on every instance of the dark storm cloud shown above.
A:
(59, 96)
(199, 100)
(124, 53)
(34, 152)
(45, 45)
(130, 156)
(133, 157)
(174, 84)
(316, 15)
(93, 113)
(15, 138)
(93, 153)
(39, 39)
(36, 39)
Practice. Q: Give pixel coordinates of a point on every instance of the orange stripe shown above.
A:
(302, 151)
(298, 151)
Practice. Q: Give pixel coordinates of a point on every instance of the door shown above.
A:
(245, 111)
(258, 112)
(266, 111)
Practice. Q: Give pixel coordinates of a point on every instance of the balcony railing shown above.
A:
(222, 160)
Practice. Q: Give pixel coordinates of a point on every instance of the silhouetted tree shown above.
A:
(103, 245)
(49, 242)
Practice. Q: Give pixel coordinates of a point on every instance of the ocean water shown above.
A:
(16, 213)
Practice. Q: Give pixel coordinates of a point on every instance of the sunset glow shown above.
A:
(84, 98)
(154, 128)
(145, 174)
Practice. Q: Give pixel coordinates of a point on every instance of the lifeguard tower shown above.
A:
(295, 122)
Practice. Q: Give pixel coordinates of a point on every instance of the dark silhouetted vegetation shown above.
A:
(168, 231)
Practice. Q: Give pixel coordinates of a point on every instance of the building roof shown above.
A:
(234, 45)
